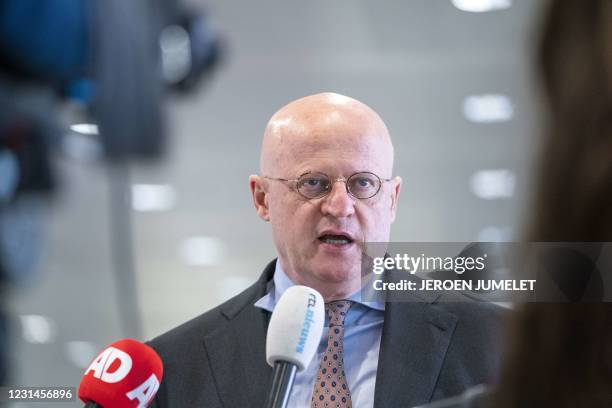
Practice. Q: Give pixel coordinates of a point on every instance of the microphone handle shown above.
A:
(91, 404)
(282, 382)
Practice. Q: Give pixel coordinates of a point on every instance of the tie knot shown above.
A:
(337, 310)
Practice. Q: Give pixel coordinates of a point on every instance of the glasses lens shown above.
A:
(313, 185)
(363, 185)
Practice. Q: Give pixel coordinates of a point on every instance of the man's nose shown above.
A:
(338, 203)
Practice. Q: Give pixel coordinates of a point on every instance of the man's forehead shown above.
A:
(324, 124)
(333, 141)
(321, 111)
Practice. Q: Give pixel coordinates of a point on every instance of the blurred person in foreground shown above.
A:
(561, 354)
(326, 186)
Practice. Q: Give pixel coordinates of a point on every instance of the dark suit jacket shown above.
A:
(430, 349)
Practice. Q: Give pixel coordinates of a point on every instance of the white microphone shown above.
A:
(294, 333)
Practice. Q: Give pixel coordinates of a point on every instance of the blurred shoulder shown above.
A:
(473, 311)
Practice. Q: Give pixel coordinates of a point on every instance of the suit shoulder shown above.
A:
(469, 310)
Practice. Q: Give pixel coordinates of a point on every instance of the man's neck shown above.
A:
(329, 290)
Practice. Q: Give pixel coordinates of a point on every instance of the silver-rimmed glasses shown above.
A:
(362, 185)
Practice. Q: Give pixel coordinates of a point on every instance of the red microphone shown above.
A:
(125, 375)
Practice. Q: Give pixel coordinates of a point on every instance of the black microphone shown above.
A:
(293, 335)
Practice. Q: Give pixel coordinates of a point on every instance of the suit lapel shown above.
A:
(237, 351)
(237, 355)
(414, 342)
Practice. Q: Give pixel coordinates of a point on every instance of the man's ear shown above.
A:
(260, 197)
(395, 196)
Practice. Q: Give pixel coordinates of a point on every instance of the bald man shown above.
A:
(326, 186)
(318, 139)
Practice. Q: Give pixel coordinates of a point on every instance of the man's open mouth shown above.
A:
(335, 239)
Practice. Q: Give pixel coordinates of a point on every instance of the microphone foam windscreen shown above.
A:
(126, 374)
(295, 327)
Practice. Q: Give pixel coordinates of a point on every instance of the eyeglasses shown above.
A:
(316, 185)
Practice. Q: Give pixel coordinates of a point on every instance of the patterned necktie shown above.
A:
(331, 389)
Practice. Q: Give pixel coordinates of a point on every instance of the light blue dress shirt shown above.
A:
(362, 333)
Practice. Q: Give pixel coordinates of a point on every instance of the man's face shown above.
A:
(319, 240)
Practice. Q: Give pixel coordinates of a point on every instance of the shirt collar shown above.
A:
(282, 282)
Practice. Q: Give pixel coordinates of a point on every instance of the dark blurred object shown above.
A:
(575, 66)
(190, 49)
(572, 269)
(561, 354)
(132, 70)
(26, 142)
(113, 58)
(128, 89)
(191, 45)
(44, 40)
(4, 347)
(116, 56)
(107, 54)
